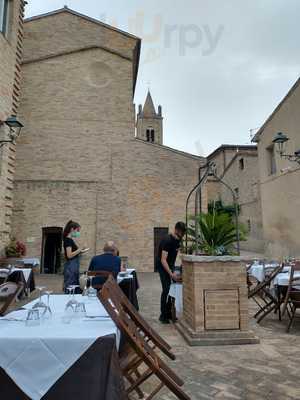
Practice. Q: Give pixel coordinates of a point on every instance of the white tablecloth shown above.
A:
(129, 275)
(36, 357)
(31, 261)
(26, 272)
(259, 270)
(283, 278)
(176, 292)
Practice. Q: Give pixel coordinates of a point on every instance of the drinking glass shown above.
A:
(40, 303)
(80, 309)
(71, 304)
(33, 317)
(92, 292)
(48, 313)
(85, 289)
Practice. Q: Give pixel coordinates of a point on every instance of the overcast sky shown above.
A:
(217, 67)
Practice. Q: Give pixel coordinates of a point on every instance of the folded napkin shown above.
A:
(93, 310)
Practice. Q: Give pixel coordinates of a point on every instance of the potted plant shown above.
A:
(15, 249)
(216, 234)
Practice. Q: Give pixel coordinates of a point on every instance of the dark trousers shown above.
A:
(165, 301)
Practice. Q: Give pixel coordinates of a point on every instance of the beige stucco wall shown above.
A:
(280, 192)
(10, 53)
(78, 157)
(246, 180)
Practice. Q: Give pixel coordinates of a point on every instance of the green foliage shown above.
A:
(218, 207)
(217, 233)
(15, 248)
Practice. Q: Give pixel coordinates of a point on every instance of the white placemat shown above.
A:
(36, 357)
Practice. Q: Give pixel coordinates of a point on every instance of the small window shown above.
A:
(148, 135)
(249, 225)
(242, 164)
(271, 160)
(237, 192)
(4, 16)
(152, 136)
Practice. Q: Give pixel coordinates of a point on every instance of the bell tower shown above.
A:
(149, 125)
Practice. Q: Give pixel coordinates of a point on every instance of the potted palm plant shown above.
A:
(216, 234)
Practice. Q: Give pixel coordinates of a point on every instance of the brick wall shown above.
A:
(10, 77)
(78, 157)
(215, 296)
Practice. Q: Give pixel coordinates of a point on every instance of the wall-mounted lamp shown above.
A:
(280, 140)
(15, 127)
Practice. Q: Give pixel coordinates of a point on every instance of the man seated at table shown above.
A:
(108, 261)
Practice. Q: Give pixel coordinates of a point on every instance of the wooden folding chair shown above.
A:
(9, 291)
(145, 354)
(129, 360)
(292, 297)
(264, 296)
(99, 274)
(150, 335)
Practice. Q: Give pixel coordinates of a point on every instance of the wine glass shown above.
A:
(33, 317)
(40, 303)
(92, 292)
(72, 302)
(85, 289)
(48, 313)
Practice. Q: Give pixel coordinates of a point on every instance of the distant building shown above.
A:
(280, 178)
(11, 38)
(84, 155)
(237, 165)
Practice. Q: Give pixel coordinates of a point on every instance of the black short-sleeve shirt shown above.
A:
(68, 242)
(171, 245)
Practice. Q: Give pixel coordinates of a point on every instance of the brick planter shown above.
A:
(215, 301)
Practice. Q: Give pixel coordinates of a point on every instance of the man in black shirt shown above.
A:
(165, 263)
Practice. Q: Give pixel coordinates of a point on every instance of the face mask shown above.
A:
(75, 234)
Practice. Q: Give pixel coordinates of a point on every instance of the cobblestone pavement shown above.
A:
(269, 370)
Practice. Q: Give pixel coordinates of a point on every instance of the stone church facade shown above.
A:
(79, 157)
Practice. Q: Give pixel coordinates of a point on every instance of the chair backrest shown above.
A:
(9, 291)
(121, 301)
(266, 282)
(292, 294)
(99, 274)
(137, 342)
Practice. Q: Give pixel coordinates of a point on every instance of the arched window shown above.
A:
(148, 135)
(152, 136)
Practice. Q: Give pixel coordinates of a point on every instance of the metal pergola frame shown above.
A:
(210, 171)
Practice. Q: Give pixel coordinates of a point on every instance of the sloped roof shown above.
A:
(65, 9)
(170, 149)
(291, 91)
(86, 17)
(236, 147)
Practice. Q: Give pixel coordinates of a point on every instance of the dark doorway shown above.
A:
(51, 250)
(159, 234)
